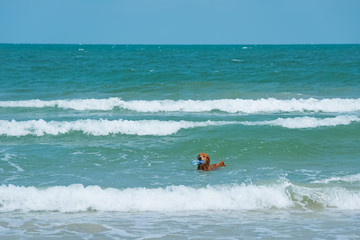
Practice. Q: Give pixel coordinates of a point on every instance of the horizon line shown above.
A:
(180, 44)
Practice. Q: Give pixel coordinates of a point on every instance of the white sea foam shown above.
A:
(77, 198)
(248, 106)
(99, 127)
(76, 104)
(349, 179)
(236, 60)
(336, 197)
(152, 127)
(7, 157)
(308, 122)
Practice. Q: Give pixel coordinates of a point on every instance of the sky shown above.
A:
(180, 21)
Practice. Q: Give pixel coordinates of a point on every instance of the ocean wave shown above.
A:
(247, 106)
(152, 127)
(100, 127)
(308, 122)
(348, 179)
(78, 198)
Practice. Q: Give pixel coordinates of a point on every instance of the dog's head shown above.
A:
(204, 157)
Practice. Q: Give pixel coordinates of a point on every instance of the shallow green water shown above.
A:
(97, 140)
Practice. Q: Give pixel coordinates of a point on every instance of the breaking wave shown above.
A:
(348, 179)
(248, 106)
(308, 122)
(152, 127)
(78, 198)
(99, 127)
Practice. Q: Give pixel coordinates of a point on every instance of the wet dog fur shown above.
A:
(206, 166)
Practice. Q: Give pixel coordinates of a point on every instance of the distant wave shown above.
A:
(248, 106)
(99, 127)
(77, 198)
(152, 127)
(349, 179)
(308, 122)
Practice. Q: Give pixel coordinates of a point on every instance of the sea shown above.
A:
(96, 141)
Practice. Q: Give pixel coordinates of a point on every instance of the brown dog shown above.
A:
(206, 166)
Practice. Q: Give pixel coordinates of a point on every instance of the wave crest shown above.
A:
(348, 179)
(308, 122)
(247, 106)
(99, 127)
(76, 198)
(152, 127)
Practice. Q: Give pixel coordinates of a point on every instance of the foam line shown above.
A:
(99, 127)
(77, 198)
(308, 122)
(248, 106)
(349, 179)
(152, 127)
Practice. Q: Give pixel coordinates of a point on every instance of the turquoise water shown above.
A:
(96, 141)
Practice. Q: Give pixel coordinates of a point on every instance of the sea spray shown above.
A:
(76, 198)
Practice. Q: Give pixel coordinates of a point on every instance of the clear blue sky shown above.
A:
(180, 21)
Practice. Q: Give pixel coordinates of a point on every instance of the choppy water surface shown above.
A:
(96, 141)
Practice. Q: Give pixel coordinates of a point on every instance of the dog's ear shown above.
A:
(208, 158)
